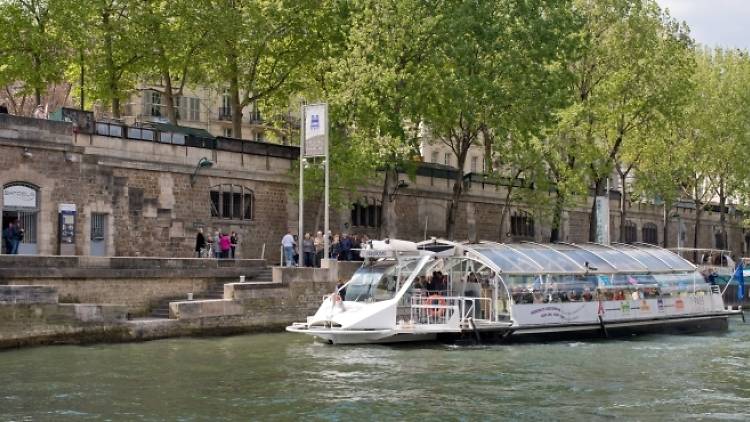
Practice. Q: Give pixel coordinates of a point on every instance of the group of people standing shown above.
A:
(343, 247)
(220, 245)
(12, 237)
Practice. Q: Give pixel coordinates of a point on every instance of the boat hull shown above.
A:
(512, 334)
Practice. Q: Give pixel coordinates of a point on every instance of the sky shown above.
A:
(724, 23)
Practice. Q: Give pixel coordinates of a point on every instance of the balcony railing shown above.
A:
(225, 113)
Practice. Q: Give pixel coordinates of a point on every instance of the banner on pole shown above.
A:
(316, 130)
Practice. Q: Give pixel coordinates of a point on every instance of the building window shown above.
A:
(152, 103)
(366, 215)
(188, 108)
(522, 224)
(650, 233)
(447, 158)
(255, 115)
(719, 238)
(225, 111)
(259, 137)
(474, 164)
(434, 158)
(231, 202)
(227, 132)
(631, 232)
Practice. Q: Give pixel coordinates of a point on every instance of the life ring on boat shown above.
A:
(435, 300)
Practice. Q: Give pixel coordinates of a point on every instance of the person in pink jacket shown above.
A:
(225, 245)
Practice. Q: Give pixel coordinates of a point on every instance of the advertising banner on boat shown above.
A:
(610, 310)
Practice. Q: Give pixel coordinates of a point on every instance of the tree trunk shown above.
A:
(83, 79)
(37, 91)
(169, 99)
(234, 94)
(458, 190)
(555, 234)
(723, 215)
(388, 224)
(665, 221)
(696, 229)
(318, 216)
(623, 208)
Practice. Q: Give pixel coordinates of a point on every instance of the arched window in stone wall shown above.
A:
(522, 224)
(232, 202)
(631, 232)
(366, 213)
(650, 233)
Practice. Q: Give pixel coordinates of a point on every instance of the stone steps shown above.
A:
(214, 291)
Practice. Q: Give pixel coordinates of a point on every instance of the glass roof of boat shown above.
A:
(525, 258)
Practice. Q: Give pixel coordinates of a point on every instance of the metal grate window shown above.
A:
(231, 202)
(97, 226)
(28, 223)
(631, 232)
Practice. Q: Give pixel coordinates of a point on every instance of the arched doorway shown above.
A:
(21, 206)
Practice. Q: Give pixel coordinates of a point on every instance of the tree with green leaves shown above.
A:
(635, 68)
(372, 84)
(496, 69)
(175, 40)
(722, 126)
(31, 45)
(108, 49)
(260, 47)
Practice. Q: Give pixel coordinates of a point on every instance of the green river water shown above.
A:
(290, 377)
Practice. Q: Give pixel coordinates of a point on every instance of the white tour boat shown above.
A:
(441, 290)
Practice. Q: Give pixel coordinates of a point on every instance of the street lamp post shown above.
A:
(202, 163)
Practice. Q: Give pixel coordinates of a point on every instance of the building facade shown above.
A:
(122, 193)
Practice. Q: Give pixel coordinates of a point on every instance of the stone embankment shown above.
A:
(75, 300)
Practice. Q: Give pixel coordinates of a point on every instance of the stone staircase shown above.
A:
(215, 291)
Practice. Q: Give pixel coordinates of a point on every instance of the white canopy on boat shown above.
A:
(558, 258)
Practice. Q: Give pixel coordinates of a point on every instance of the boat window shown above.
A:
(619, 259)
(672, 259)
(595, 263)
(648, 259)
(550, 260)
(510, 261)
(378, 281)
(674, 284)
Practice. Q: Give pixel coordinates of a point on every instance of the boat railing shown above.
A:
(438, 309)
(433, 309)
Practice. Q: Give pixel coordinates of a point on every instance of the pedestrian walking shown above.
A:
(217, 245)
(287, 244)
(200, 243)
(225, 244)
(233, 239)
(319, 244)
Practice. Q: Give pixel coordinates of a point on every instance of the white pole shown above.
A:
(326, 238)
(300, 233)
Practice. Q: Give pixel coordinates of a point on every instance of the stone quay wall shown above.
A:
(138, 284)
(31, 314)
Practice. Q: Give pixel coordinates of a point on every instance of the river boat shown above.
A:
(493, 292)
